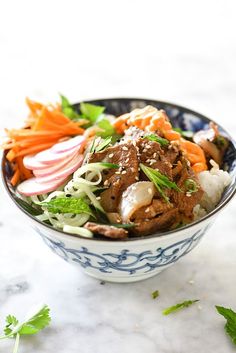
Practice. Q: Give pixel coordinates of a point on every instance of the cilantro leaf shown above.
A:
(91, 112)
(32, 325)
(11, 322)
(179, 306)
(160, 140)
(155, 294)
(67, 205)
(230, 326)
(68, 109)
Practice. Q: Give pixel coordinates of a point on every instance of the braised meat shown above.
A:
(117, 180)
(162, 213)
(106, 230)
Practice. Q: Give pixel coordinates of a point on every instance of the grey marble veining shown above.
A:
(170, 51)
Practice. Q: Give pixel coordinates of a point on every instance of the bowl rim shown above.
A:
(167, 234)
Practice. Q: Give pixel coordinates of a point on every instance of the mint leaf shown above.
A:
(67, 205)
(108, 129)
(179, 306)
(91, 112)
(230, 326)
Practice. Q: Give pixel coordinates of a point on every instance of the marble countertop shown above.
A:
(186, 55)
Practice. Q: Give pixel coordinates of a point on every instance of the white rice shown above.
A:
(213, 183)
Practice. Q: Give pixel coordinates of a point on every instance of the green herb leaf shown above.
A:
(108, 129)
(91, 112)
(159, 180)
(155, 294)
(68, 109)
(230, 326)
(67, 205)
(179, 306)
(33, 324)
(185, 133)
(160, 140)
(191, 185)
(11, 322)
(109, 165)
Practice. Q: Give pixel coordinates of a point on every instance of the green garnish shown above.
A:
(155, 294)
(180, 306)
(159, 180)
(185, 133)
(191, 185)
(107, 129)
(67, 205)
(68, 109)
(160, 140)
(100, 146)
(230, 326)
(109, 165)
(91, 112)
(32, 325)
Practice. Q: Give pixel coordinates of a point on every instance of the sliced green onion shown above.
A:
(160, 140)
(78, 231)
(191, 185)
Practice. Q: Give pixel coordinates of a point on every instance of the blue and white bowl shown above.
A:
(137, 258)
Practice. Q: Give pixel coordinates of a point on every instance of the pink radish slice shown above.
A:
(63, 172)
(67, 145)
(30, 162)
(50, 157)
(50, 169)
(30, 187)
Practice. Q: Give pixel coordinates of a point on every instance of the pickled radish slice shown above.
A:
(64, 172)
(50, 169)
(30, 187)
(50, 157)
(67, 145)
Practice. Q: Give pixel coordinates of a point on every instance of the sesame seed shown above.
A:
(150, 191)
(154, 155)
(144, 150)
(188, 194)
(117, 172)
(137, 178)
(148, 160)
(152, 161)
(127, 160)
(148, 146)
(147, 210)
(132, 169)
(106, 182)
(98, 198)
(111, 155)
(124, 172)
(124, 148)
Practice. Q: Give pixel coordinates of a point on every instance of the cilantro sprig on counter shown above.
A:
(34, 323)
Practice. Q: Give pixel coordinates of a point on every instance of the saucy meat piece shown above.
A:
(106, 230)
(157, 207)
(117, 180)
(162, 222)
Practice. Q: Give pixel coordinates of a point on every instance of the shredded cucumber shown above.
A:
(78, 231)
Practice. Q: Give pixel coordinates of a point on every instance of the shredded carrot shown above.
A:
(45, 126)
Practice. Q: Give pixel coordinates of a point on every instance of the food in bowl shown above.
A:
(96, 175)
